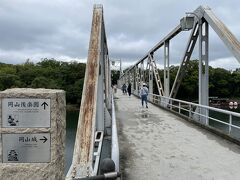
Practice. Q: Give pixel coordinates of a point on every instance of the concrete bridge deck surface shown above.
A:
(155, 144)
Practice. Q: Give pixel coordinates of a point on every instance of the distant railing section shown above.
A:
(225, 121)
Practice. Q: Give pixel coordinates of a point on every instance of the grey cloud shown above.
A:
(60, 28)
(47, 28)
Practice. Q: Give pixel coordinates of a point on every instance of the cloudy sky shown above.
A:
(60, 29)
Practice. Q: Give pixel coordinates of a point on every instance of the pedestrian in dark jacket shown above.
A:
(129, 89)
(124, 88)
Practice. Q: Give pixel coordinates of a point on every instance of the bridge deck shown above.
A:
(155, 144)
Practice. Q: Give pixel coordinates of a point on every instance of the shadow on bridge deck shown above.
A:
(155, 144)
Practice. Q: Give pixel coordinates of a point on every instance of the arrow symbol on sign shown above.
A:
(44, 140)
(44, 104)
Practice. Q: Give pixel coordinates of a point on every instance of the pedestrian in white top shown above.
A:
(143, 94)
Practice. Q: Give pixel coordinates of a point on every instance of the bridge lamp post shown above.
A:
(187, 22)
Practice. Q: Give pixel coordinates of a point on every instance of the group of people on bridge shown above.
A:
(143, 92)
(127, 89)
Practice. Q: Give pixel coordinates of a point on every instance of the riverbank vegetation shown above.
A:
(69, 76)
(222, 83)
(49, 73)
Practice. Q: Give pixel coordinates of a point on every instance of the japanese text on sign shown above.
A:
(24, 148)
(24, 112)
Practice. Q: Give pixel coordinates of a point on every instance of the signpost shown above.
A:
(26, 148)
(25, 112)
(32, 133)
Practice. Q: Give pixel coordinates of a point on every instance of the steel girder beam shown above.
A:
(146, 72)
(166, 69)
(150, 77)
(205, 14)
(94, 100)
(172, 34)
(186, 57)
(136, 77)
(142, 73)
(156, 75)
(222, 31)
(203, 91)
(107, 79)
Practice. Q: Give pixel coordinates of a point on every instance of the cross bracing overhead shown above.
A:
(197, 22)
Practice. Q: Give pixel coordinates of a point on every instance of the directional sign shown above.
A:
(44, 104)
(24, 112)
(44, 139)
(26, 148)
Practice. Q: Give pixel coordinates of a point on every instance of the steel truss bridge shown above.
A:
(97, 136)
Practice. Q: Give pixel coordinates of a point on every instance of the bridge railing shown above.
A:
(227, 122)
(95, 126)
(115, 144)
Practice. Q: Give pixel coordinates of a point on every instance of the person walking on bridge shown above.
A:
(129, 89)
(143, 94)
(124, 88)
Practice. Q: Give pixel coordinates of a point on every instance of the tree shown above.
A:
(115, 76)
(49, 73)
(9, 81)
(220, 80)
(43, 82)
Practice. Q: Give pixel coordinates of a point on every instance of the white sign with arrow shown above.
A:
(25, 112)
(26, 148)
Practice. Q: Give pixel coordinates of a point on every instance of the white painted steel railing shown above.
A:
(115, 145)
(192, 111)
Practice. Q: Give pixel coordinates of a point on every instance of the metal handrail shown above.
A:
(111, 175)
(170, 103)
(95, 103)
(198, 105)
(115, 145)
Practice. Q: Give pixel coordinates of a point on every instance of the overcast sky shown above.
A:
(60, 29)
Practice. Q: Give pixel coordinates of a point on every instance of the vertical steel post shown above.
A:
(101, 87)
(121, 68)
(150, 76)
(127, 77)
(133, 79)
(230, 126)
(108, 81)
(166, 69)
(142, 73)
(137, 80)
(130, 74)
(203, 69)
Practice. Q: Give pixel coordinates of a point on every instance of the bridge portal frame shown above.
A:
(203, 18)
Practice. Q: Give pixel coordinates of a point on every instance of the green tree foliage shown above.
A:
(222, 83)
(53, 74)
(115, 76)
(188, 89)
(49, 73)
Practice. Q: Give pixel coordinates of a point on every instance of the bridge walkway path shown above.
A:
(155, 144)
